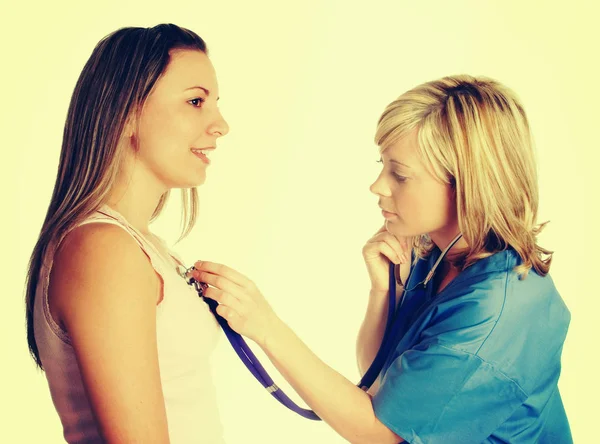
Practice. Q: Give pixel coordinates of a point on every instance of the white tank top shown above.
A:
(187, 333)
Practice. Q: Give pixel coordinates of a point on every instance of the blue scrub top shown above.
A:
(480, 361)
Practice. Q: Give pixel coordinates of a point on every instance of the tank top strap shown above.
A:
(105, 214)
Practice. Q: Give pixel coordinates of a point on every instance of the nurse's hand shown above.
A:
(240, 302)
(378, 252)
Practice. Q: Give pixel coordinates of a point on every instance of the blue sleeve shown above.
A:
(441, 389)
(437, 394)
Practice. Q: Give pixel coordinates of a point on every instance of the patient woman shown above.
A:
(124, 342)
(476, 357)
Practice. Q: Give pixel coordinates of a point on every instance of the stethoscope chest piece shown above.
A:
(200, 287)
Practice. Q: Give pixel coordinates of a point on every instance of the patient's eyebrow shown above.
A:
(202, 88)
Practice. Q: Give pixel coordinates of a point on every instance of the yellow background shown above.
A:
(286, 201)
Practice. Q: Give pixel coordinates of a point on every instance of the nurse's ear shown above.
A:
(452, 191)
(453, 186)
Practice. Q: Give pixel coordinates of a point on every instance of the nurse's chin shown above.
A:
(394, 226)
(397, 228)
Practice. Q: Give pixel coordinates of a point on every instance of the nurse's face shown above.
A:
(413, 200)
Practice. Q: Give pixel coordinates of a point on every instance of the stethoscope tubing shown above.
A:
(391, 330)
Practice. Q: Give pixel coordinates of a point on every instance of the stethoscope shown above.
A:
(430, 275)
(249, 359)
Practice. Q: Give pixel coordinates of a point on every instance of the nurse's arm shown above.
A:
(337, 401)
(372, 329)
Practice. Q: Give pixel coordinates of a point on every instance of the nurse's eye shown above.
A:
(379, 161)
(399, 178)
(197, 102)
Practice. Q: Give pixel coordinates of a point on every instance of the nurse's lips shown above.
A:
(387, 214)
(202, 153)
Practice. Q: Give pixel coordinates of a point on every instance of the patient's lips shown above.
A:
(203, 153)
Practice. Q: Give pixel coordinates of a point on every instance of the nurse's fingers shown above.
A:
(400, 246)
(220, 282)
(224, 298)
(391, 254)
(374, 250)
(224, 271)
(228, 313)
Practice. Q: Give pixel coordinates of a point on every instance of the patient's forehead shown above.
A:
(188, 69)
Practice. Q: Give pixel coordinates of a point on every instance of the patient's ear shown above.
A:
(129, 133)
(129, 128)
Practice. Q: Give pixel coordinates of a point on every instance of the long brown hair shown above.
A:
(113, 86)
(474, 134)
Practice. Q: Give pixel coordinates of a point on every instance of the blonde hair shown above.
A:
(474, 135)
(112, 88)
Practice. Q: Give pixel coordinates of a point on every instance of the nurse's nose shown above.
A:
(379, 187)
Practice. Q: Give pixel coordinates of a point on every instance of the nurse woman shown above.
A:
(479, 325)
